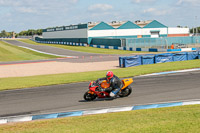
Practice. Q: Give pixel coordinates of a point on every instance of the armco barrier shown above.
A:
(182, 56)
(162, 58)
(192, 55)
(132, 61)
(148, 59)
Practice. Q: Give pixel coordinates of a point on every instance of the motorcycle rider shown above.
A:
(115, 84)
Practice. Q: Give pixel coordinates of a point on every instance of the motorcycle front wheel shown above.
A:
(125, 92)
(89, 97)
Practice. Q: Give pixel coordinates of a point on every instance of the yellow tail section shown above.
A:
(127, 82)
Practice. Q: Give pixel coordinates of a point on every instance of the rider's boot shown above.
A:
(114, 93)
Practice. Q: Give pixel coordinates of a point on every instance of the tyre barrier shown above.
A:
(129, 61)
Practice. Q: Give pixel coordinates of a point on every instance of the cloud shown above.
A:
(143, 1)
(35, 13)
(100, 7)
(100, 12)
(38, 6)
(188, 2)
(9, 3)
(26, 10)
(73, 1)
(156, 12)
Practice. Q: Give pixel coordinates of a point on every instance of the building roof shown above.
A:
(114, 25)
(102, 26)
(128, 25)
(155, 24)
(142, 23)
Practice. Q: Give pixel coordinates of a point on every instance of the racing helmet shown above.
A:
(109, 75)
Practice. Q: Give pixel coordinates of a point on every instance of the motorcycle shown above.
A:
(94, 92)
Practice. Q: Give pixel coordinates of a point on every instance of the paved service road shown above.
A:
(82, 56)
(69, 97)
(50, 49)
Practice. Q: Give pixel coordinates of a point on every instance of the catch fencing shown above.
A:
(164, 42)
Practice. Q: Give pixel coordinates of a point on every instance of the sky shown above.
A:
(19, 15)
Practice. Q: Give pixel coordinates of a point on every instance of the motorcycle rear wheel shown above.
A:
(89, 97)
(125, 92)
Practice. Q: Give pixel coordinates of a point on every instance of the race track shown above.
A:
(79, 56)
(50, 49)
(69, 97)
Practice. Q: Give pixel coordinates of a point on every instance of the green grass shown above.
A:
(42, 80)
(181, 119)
(84, 49)
(13, 53)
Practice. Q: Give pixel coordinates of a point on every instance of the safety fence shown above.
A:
(164, 42)
(117, 47)
(129, 61)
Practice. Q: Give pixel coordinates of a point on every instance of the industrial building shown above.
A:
(119, 33)
(84, 33)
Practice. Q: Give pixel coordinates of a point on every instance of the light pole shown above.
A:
(196, 25)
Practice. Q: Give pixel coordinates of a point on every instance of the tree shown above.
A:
(198, 30)
(30, 32)
(39, 32)
(3, 33)
(6, 34)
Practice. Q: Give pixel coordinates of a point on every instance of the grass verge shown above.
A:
(181, 119)
(43, 80)
(84, 49)
(13, 53)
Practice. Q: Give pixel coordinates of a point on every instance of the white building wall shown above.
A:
(178, 31)
(101, 33)
(124, 32)
(78, 33)
(85, 33)
(114, 32)
(128, 32)
(147, 31)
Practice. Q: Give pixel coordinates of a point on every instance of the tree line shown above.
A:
(6, 34)
(29, 32)
(195, 30)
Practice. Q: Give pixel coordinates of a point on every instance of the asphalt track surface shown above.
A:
(69, 97)
(80, 56)
(50, 49)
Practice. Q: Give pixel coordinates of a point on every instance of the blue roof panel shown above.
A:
(155, 24)
(102, 26)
